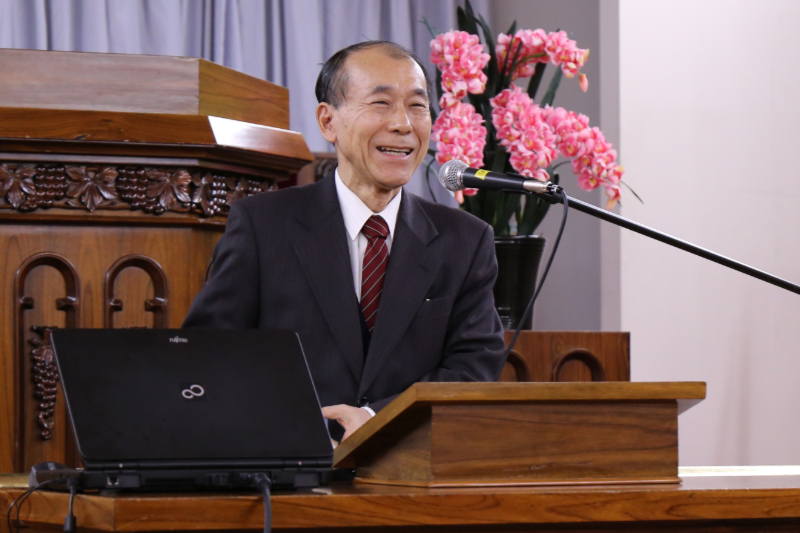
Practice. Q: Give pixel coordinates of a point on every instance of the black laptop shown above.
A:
(186, 409)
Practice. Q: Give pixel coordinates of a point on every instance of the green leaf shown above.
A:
(500, 159)
(514, 63)
(468, 7)
(472, 22)
(535, 210)
(485, 211)
(513, 29)
(438, 85)
(500, 80)
(509, 203)
(477, 102)
(491, 69)
(632, 191)
(533, 214)
(550, 95)
(431, 29)
(536, 79)
(499, 225)
(461, 19)
(472, 204)
(432, 152)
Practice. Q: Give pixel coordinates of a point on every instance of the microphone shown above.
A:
(456, 175)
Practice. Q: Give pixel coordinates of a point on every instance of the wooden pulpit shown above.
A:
(495, 434)
(116, 176)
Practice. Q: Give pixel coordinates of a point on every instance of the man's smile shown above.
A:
(395, 150)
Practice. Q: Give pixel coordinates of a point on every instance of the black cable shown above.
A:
(70, 523)
(529, 309)
(20, 500)
(264, 483)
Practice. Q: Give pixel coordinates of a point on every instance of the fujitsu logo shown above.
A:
(176, 340)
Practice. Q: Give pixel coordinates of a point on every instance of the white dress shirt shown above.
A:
(356, 213)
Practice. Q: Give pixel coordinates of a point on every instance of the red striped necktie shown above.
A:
(376, 257)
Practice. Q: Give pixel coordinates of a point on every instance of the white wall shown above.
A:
(709, 124)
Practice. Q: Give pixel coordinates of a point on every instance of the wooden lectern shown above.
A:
(116, 176)
(495, 434)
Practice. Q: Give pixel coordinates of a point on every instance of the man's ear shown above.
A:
(325, 114)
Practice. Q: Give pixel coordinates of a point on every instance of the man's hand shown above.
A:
(351, 418)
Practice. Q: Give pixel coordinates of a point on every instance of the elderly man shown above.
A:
(384, 289)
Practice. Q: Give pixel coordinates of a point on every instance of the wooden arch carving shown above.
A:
(157, 305)
(519, 365)
(43, 368)
(584, 356)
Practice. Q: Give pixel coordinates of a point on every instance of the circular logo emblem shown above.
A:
(194, 391)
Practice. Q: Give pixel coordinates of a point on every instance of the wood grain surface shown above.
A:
(181, 252)
(423, 394)
(708, 504)
(108, 126)
(119, 170)
(555, 441)
(530, 433)
(543, 352)
(138, 84)
(231, 94)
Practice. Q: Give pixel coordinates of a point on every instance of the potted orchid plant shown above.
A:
(486, 120)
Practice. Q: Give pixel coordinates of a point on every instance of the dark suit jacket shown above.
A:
(283, 262)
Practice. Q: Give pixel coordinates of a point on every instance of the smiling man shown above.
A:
(384, 289)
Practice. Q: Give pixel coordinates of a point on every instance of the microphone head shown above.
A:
(450, 174)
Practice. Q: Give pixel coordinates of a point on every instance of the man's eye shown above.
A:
(383, 102)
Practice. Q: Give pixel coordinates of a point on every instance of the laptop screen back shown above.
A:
(143, 395)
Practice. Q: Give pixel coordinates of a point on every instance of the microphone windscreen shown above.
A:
(450, 174)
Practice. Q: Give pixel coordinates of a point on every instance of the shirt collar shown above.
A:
(356, 213)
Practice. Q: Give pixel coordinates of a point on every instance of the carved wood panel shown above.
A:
(568, 356)
(81, 258)
(40, 413)
(26, 187)
(155, 304)
(580, 361)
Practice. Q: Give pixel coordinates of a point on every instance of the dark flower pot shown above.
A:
(518, 260)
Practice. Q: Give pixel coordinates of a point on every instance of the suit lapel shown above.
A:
(412, 268)
(326, 262)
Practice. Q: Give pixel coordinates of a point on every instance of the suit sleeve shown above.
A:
(474, 345)
(230, 296)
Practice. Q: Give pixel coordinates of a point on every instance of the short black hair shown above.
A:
(332, 79)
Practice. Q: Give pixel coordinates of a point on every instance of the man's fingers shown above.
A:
(349, 417)
(333, 412)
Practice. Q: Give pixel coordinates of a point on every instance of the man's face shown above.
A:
(382, 128)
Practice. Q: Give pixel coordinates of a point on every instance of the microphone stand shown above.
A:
(623, 222)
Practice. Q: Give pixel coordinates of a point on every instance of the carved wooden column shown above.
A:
(116, 176)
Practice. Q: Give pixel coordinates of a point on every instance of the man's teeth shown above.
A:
(395, 151)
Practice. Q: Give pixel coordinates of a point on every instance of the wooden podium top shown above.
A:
(131, 83)
(423, 395)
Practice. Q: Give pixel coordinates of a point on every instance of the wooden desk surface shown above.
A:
(754, 503)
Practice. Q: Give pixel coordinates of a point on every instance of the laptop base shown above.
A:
(200, 479)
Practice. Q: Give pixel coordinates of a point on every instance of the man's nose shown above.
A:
(400, 120)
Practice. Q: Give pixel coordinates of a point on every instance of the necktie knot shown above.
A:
(375, 226)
